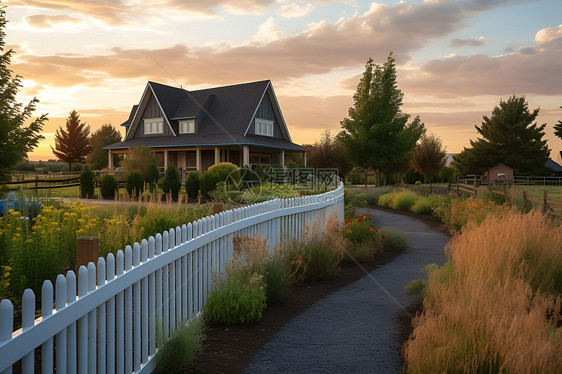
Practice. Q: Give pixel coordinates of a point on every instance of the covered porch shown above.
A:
(192, 159)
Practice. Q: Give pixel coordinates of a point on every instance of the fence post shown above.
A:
(87, 250)
(505, 193)
(458, 187)
(546, 206)
(475, 189)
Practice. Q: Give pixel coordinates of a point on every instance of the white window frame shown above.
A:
(187, 126)
(153, 126)
(264, 127)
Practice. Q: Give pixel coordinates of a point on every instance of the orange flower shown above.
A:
(368, 215)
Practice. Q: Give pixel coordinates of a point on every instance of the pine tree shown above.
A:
(376, 134)
(73, 144)
(558, 129)
(16, 139)
(104, 136)
(509, 137)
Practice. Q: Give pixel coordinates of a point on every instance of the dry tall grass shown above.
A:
(496, 306)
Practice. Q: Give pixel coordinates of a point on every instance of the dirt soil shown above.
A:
(230, 349)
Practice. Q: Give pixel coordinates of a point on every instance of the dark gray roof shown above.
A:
(550, 163)
(127, 123)
(230, 111)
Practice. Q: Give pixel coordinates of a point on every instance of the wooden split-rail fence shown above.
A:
(105, 319)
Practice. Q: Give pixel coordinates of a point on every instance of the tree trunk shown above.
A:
(366, 174)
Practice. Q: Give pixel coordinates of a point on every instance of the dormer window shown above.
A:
(264, 127)
(153, 126)
(187, 126)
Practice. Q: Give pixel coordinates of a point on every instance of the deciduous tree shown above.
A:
(328, 152)
(139, 159)
(429, 157)
(510, 136)
(98, 158)
(73, 143)
(376, 134)
(16, 138)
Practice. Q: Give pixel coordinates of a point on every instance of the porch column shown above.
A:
(217, 155)
(165, 159)
(282, 156)
(304, 158)
(198, 159)
(246, 156)
(110, 159)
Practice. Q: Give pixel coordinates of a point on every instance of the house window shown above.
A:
(264, 127)
(153, 126)
(187, 126)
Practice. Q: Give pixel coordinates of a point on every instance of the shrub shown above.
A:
(172, 182)
(372, 194)
(181, 348)
(87, 183)
(207, 183)
(496, 306)
(418, 183)
(192, 185)
(135, 184)
(153, 174)
(362, 237)
(404, 200)
(394, 238)
(352, 202)
(275, 278)
(236, 298)
(386, 199)
(108, 187)
(223, 170)
(422, 206)
(319, 256)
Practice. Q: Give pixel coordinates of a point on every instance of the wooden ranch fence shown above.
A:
(105, 321)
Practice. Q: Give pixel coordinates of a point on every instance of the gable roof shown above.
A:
(224, 116)
(550, 163)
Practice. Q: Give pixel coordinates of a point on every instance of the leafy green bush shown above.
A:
(394, 238)
(192, 185)
(172, 182)
(207, 183)
(422, 206)
(181, 348)
(386, 199)
(363, 239)
(108, 187)
(313, 260)
(87, 183)
(153, 174)
(352, 202)
(404, 200)
(135, 184)
(418, 183)
(372, 194)
(275, 278)
(223, 170)
(236, 298)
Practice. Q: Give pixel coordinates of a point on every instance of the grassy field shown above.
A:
(537, 192)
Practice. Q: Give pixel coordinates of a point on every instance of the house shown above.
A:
(500, 174)
(556, 168)
(193, 130)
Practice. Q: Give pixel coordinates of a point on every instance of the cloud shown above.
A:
(267, 32)
(231, 6)
(293, 10)
(321, 48)
(47, 21)
(474, 42)
(527, 50)
(113, 12)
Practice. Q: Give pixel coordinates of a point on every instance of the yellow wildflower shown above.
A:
(7, 274)
(8, 268)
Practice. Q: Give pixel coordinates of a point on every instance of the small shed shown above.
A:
(500, 174)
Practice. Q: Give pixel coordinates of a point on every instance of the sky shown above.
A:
(455, 59)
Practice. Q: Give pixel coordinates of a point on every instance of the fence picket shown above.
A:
(82, 323)
(46, 311)
(71, 340)
(60, 298)
(101, 312)
(110, 318)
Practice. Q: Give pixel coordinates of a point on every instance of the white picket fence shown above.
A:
(108, 323)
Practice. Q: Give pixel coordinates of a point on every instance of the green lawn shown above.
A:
(536, 192)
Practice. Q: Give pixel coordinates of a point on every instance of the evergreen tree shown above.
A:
(429, 157)
(376, 134)
(104, 136)
(73, 144)
(509, 137)
(558, 129)
(16, 139)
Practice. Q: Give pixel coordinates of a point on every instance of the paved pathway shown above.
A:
(354, 330)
